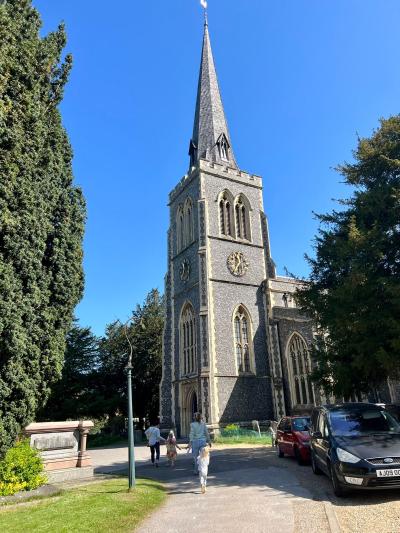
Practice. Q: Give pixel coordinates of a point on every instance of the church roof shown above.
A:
(211, 139)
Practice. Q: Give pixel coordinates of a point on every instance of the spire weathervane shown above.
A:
(210, 139)
(205, 5)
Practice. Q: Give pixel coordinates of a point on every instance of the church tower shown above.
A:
(215, 352)
(236, 347)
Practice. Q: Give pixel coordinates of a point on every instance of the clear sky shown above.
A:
(299, 79)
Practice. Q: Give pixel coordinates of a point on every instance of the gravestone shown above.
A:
(62, 446)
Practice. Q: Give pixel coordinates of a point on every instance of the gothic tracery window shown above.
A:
(300, 370)
(225, 214)
(184, 225)
(242, 219)
(188, 341)
(179, 229)
(188, 233)
(243, 349)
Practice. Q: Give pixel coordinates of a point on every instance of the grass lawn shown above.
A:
(97, 507)
(240, 439)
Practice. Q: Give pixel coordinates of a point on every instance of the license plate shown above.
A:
(390, 472)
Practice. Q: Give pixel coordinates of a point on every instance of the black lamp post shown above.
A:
(131, 439)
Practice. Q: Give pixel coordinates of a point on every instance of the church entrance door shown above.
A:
(189, 409)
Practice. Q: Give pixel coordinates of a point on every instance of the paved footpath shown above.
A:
(247, 490)
(251, 489)
(115, 458)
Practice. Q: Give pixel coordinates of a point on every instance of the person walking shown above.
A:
(203, 462)
(154, 437)
(172, 446)
(198, 438)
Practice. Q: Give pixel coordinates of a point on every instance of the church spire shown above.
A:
(211, 140)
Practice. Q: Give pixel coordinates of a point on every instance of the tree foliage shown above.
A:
(94, 380)
(76, 395)
(41, 216)
(145, 333)
(354, 290)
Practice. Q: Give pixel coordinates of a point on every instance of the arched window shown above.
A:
(243, 346)
(188, 341)
(189, 230)
(300, 369)
(242, 218)
(184, 225)
(179, 229)
(225, 214)
(223, 146)
(224, 150)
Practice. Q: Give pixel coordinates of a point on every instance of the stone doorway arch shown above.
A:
(189, 408)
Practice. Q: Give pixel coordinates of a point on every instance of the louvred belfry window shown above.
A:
(184, 225)
(188, 222)
(222, 216)
(179, 229)
(242, 219)
(223, 147)
(225, 215)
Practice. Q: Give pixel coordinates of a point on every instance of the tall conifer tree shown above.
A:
(41, 216)
(145, 333)
(354, 290)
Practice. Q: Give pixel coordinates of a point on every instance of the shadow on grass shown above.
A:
(31, 499)
(141, 483)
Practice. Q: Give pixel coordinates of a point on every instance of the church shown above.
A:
(235, 346)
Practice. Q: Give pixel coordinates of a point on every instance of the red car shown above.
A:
(293, 438)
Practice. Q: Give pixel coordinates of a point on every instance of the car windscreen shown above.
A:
(394, 410)
(346, 423)
(300, 424)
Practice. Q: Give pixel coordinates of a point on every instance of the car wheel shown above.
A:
(337, 487)
(298, 456)
(278, 450)
(317, 471)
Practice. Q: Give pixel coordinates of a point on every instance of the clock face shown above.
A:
(184, 270)
(237, 264)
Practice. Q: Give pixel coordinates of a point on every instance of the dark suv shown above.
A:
(357, 445)
(393, 409)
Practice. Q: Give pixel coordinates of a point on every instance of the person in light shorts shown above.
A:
(203, 460)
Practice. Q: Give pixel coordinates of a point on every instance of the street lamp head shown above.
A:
(125, 326)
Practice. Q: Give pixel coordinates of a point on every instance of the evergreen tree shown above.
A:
(354, 290)
(41, 217)
(77, 394)
(145, 333)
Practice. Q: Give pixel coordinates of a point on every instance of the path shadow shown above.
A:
(260, 468)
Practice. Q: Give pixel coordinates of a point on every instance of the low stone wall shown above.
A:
(62, 446)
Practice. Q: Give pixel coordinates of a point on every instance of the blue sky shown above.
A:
(299, 79)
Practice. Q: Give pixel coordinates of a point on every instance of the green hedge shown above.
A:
(234, 434)
(21, 469)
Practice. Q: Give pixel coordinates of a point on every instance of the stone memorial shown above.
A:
(62, 446)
